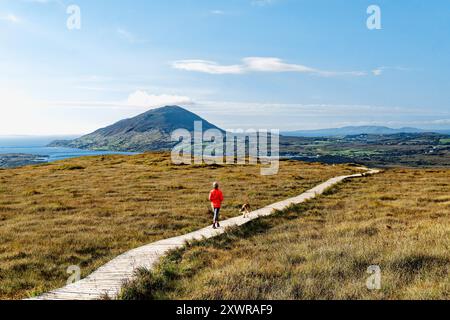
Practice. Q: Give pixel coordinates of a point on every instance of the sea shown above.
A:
(38, 146)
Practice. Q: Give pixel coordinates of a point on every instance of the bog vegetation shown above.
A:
(398, 220)
(86, 211)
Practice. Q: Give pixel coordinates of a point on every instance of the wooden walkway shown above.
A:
(108, 279)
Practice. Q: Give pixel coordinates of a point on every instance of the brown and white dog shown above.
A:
(245, 210)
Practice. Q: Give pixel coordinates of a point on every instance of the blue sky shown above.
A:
(276, 64)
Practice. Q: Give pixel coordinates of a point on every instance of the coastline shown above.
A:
(14, 157)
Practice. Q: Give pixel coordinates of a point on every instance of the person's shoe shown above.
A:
(218, 225)
(214, 226)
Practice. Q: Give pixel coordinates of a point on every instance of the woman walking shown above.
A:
(216, 198)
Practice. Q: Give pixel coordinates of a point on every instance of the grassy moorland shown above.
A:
(87, 211)
(398, 220)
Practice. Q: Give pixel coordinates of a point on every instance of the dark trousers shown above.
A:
(216, 214)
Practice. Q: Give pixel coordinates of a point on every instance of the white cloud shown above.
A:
(22, 114)
(136, 100)
(11, 18)
(255, 64)
(145, 100)
(273, 65)
(440, 121)
(378, 72)
(298, 116)
(205, 66)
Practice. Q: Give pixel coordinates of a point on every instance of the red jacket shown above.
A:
(216, 198)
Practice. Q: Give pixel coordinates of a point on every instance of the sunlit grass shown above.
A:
(87, 211)
(398, 220)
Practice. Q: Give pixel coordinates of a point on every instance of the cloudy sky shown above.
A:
(275, 64)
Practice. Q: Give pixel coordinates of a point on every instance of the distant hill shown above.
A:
(349, 131)
(146, 132)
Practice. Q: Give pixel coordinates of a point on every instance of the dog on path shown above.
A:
(245, 210)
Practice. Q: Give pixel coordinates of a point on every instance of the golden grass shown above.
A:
(87, 211)
(398, 220)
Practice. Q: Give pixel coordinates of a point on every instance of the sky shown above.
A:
(261, 64)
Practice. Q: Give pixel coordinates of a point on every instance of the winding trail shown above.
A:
(108, 279)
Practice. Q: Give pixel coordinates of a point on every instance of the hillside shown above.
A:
(12, 160)
(149, 131)
(86, 211)
(351, 130)
(368, 145)
(397, 220)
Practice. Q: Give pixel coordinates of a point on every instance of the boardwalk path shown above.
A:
(108, 279)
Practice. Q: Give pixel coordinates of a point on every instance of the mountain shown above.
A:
(447, 132)
(348, 131)
(146, 132)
